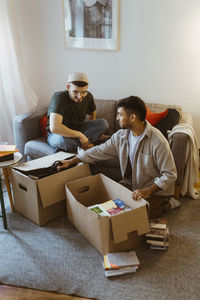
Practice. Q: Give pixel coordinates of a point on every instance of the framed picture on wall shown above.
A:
(91, 24)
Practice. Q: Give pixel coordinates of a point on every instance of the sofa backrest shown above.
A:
(107, 109)
(157, 107)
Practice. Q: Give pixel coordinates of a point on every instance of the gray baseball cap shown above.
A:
(76, 76)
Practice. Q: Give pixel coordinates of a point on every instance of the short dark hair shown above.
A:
(79, 83)
(134, 104)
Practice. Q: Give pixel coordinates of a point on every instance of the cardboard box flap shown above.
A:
(51, 196)
(95, 229)
(133, 220)
(43, 162)
(86, 190)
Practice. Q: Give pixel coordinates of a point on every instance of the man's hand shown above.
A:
(140, 193)
(84, 141)
(68, 163)
(65, 164)
(145, 193)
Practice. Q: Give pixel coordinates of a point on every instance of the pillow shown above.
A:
(43, 125)
(154, 118)
(167, 123)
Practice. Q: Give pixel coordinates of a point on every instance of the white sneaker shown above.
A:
(174, 203)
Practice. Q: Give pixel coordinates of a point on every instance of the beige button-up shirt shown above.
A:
(152, 163)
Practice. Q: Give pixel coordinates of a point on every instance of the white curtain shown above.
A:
(16, 96)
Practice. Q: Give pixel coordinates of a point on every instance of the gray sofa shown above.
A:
(32, 145)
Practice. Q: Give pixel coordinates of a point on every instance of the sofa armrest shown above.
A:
(178, 148)
(186, 119)
(27, 127)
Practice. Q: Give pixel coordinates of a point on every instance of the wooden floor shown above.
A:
(17, 293)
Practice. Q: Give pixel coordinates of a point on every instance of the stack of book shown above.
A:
(120, 263)
(110, 207)
(7, 152)
(158, 237)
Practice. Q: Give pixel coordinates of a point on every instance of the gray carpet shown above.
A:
(57, 258)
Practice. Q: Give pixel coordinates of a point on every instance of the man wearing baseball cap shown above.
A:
(66, 125)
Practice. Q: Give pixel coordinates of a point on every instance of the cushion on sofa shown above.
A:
(43, 125)
(153, 118)
(172, 118)
(158, 107)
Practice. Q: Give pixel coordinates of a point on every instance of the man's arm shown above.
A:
(92, 116)
(101, 152)
(56, 126)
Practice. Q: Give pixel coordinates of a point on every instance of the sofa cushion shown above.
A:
(153, 118)
(167, 123)
(43, 125)
(158, 107)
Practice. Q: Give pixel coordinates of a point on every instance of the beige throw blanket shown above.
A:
(191, 175)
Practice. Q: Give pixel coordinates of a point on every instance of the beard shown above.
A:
(124, 126)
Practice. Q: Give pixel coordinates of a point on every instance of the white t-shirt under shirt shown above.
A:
(133, 144)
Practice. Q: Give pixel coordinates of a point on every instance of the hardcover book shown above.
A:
(110, 204)
(5, 157)
(120, 263)
(158, 243)
(109, 208)
(98, 210)
(158, 235)
(4, 149)
(159, 223)
(123, 259)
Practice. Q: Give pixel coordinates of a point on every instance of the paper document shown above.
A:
(43, 162)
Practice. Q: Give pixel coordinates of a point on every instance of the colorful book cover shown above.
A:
(108, 265)
(98, 210)
(114, 211)
(120, 203)
(109, 208)
(108, 205)
(123, 259)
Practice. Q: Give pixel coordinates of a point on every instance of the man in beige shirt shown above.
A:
(146, 161)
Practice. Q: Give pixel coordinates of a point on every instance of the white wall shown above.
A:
(158, 60)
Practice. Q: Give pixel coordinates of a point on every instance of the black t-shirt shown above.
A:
(73, 113)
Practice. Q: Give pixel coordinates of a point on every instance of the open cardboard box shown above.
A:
(42, 200)
(121, 232)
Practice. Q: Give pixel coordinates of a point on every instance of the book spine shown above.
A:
(7, 157)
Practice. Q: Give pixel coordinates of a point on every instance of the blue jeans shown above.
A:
(91, 129)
